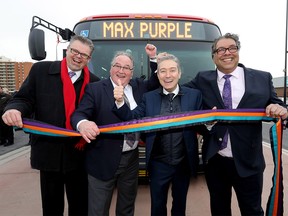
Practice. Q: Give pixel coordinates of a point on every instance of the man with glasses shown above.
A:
(112, 159)
(50, 94)
(233, 154)
(171, 155)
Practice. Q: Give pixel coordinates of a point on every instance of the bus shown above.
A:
(188, 37)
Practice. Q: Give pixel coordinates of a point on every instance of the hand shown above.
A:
(161, 55)
(13, 117)
(119, 92)
(88, 130)
(275, 110)
(212, 123)
(151, 50)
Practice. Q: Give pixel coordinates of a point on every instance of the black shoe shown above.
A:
(8, 143)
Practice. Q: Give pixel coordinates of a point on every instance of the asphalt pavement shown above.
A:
(20, 189)
(20, 139)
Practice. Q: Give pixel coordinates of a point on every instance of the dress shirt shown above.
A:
(128, 91)
(175, 92)
(75, 77)
(237, 90)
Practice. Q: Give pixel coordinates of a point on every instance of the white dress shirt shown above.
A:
(237, 91)
(129, 94)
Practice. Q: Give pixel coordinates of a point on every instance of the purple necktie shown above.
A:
(71, 74)
(227, 99)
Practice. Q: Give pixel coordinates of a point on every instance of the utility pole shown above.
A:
(285, 70)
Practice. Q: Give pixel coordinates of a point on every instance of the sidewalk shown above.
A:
(20, 190)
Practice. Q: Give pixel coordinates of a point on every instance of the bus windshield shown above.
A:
(193, 56)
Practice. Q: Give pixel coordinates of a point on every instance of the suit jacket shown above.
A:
(246, 138)
(191, 99)
(41, 97)
(104, 153)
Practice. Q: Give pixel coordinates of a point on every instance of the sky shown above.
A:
(260, 24)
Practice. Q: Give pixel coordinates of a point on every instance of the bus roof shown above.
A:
(146, 16)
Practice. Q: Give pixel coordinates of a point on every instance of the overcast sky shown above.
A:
(259, 23)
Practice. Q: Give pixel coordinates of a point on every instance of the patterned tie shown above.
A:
(170, 96)
(71, 74)
(129, 137)
(227, 99)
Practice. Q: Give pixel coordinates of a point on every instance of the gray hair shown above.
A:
(83, 40)
(232, 36)
(169, 57)
(123, 53)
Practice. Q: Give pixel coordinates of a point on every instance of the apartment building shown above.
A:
(12, 74)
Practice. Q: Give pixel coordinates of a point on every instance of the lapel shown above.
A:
(212, 78)
(108, 89)
(154, 103)
(135, 91)
(249, 83)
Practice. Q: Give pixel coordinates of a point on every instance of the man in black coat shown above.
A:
(239, 164)
(6, 132)
(50, 94)
(111, 160)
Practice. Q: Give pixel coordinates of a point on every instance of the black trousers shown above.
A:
(6, 133)
(221, 176)
(126, 181)
(54, 185)
(162, 176)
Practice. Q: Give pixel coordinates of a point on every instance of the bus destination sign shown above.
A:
(139, 29)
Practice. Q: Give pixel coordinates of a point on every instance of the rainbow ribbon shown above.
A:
(275, 201)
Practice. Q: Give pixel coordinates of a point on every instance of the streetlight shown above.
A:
(285, 70)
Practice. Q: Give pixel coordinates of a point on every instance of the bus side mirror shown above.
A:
(36, 43)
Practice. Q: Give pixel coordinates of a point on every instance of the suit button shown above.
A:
(220, 139)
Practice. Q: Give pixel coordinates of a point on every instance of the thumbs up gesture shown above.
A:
(119, 92)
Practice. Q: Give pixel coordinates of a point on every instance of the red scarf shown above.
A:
(69, 94)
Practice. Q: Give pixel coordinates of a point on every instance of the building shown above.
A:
(12, 74)
(278, 83)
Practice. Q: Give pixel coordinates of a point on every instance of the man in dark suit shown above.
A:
(171, 155)
(49, 95)
(240, 163)
(6, 132)
(111, 160)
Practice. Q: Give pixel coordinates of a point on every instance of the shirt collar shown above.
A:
(78, 73)
(126, 88)
(176, 91)
(236, 73)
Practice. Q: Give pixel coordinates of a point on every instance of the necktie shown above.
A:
(170, 96)
(129, 137)
(226, 94)
(227, 99)
(126, 100)
(71, 74)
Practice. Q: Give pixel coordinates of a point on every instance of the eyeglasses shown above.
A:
(125, 68)
(222, 50)
(76, 52)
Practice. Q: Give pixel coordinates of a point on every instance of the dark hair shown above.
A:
(232, 36)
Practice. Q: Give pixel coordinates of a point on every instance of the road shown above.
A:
(20, 190)
(266, 137)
